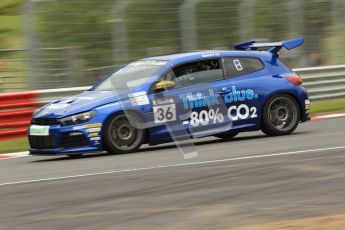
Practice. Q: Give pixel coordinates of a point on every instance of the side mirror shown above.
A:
(162, 85)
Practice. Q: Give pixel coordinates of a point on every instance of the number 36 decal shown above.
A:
(241, 112)
(164, 113)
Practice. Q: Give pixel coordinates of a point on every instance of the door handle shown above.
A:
(224, 91)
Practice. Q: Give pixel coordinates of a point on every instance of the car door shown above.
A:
(192, 107)
(241, 89)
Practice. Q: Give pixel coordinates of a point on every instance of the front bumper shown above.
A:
(59, 151)
(68, 140)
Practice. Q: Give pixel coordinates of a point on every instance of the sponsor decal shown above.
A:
(93, 125)
(57, 106)
(94, 130)
(236, 95)
(199, 100)
(210, 55)
(307, 104)
(238, 65)
(205, 117)
(214, 115)
(139, 98)
(149, 62)
(241, 112)
(164, 109)
(93, 135)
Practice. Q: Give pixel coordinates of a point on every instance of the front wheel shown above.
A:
(281, 115)
(121, 134)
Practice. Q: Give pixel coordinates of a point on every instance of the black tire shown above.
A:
(281, 115)
(226, 135)
(122, 134)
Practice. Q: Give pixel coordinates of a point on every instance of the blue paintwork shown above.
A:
(265, 83)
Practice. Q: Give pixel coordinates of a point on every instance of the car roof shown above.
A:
(190, 56)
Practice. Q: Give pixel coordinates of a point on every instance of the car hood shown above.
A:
(79, 103)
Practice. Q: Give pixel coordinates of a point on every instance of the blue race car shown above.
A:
(176, 97)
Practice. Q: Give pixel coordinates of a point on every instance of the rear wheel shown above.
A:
(281, 115)
(121, 134)
(226, 135)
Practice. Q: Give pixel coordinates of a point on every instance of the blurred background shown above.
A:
(54, 44)
(65, 43)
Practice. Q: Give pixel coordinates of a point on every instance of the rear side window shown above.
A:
(236, 66)
(196, 72)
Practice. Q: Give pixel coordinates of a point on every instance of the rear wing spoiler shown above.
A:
(274, 46)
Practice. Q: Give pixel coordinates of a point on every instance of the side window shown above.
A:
(236, 66)
(195, 72)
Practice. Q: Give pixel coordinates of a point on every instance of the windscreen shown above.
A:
(130, 76)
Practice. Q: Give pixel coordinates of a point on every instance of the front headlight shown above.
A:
(78, 118)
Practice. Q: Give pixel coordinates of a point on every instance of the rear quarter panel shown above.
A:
(266, 83)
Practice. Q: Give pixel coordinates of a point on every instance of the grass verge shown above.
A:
(15, 145)
(328, 106)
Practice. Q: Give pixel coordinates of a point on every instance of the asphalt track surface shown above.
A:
(250, 180)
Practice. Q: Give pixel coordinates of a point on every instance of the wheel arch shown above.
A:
(119, 112)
